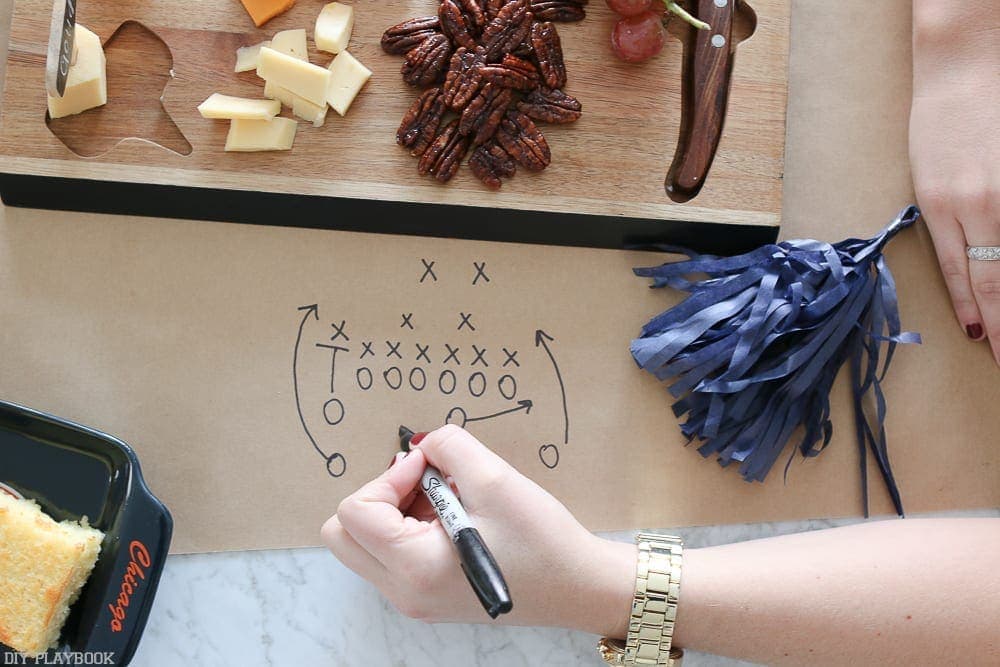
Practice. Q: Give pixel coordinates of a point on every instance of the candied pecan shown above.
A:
(512, 72)
(522, 139)
(550, 106)
(444, 156)
(399, 39)
(524, 49)
(558, 10)
(548, 51)
(493, 7)
(421, 121)
(482, 116)
(489, 162)
(456, 24)
(475, 16)
(424, 64)
(507, 29)
(463, 78)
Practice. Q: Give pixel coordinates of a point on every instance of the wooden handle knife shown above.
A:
(705, 91)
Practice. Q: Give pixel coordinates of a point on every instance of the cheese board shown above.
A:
(148, 151)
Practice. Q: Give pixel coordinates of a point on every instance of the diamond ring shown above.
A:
(983, 253)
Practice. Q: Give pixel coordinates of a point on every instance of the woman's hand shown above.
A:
(558, 573)
(955, 150)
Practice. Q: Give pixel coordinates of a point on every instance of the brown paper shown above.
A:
(180, 337)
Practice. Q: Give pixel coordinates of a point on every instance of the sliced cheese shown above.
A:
(276, 92)
(262, 11)
(306, 110)
(248, 56)
(347, 77)
(302, 78)
(333, 27)
(86, 81)
(276, 134)
(226, 106)
(291, 43)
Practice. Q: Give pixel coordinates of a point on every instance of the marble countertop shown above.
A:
(302, 607)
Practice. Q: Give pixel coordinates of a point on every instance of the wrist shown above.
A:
(608, 580)
(947, 27)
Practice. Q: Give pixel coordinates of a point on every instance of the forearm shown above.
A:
(896, 592)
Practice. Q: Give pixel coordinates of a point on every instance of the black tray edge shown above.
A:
(383, 217)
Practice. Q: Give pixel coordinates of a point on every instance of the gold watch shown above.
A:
(654, 607)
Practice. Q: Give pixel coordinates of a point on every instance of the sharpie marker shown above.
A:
(478, 564)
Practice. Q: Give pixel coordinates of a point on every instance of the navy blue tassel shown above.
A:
(755, 348)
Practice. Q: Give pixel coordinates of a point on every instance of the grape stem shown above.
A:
(677, 10)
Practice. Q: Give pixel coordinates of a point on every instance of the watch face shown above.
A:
(612, 651)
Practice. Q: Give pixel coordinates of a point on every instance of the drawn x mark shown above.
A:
(479, 356)
(480, 272)
(407, 321)
(393, 350)
(428, 270)
(452, 354)
(422, 352)
(338, 331)
(511, 358)
(367, 349)
(466, 321)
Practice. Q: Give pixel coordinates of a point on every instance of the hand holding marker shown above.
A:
(478, 564)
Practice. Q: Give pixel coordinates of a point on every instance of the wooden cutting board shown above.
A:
(611, 163)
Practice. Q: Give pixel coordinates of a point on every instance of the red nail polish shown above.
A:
(417, 437)
(392, 462)
(974, 331)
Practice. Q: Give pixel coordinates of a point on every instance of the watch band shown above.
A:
(654, 606)
(613, 653)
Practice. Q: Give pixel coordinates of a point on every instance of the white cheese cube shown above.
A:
(86, 81)
(226, 106)
(248, 56)
(276, 92)
(347, 77)
(291, 43)
(300, 77)
(276, 134)
(333, 27)
(306, 110)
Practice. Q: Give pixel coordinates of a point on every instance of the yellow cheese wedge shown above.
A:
(226, 106)
(262, 11)
(248, 56)
(333, 27)
(291, 43)
(276, 134)
(308, 81)
(306, 110)
(347, 77)
(86, 81)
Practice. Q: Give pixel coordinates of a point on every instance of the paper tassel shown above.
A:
(754, 350)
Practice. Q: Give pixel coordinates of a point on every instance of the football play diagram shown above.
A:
(442, 366)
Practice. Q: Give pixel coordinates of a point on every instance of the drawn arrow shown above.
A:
(336, 464)
(543, 339)
(521, 405)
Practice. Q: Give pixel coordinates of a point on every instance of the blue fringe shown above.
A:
(755, 348)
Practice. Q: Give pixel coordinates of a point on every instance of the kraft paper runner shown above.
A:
(199, 343)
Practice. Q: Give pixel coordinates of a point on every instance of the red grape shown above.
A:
(629, 7)
(638, 38)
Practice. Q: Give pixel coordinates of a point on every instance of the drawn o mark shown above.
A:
(338, 411)
(441, 382)
(509, 381)
(549, 456)
(456, 416)
(336, 464)
(399, 377)
(423, 378)
(366, 385)
(473, 381)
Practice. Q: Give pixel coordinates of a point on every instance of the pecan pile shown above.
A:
(495, 67)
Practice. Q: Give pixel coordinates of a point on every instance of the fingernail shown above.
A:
(398, 456)
(974, 331)
(417, 437)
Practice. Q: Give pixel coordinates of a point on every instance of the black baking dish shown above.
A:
(74, 471)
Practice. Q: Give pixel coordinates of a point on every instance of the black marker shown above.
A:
(478, 564)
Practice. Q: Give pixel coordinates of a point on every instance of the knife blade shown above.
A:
(60, 52)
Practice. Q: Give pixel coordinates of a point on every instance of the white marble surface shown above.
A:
(301, 607)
